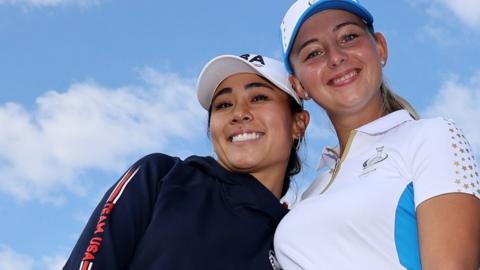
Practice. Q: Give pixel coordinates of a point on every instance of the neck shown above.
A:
(344, 124)
(272, 180)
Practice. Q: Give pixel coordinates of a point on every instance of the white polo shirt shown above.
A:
(360, 213)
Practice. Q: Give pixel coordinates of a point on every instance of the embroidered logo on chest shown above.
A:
(377, 158)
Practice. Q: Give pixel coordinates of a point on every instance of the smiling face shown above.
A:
(252, 126)
(338, 63)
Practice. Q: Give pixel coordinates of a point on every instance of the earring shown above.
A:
(382, 62)
(306, 95)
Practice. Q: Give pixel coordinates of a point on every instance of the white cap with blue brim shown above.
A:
(301, 10)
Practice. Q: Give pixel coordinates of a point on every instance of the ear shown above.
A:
(300, 123)
(382, 47)
(297, 86)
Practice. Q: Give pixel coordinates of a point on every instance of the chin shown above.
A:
(243, 164)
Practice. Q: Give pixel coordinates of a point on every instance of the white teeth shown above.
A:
(345, 77)
(245, 137)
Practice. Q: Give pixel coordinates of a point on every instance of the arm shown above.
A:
(118, 222)
(447, 190)
(449, 232)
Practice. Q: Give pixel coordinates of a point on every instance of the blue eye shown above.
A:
(314, 54)
(348, 38)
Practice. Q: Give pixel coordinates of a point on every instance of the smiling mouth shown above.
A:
(249, 136)
(345, 78)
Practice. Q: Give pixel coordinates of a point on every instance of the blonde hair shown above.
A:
(393, 102)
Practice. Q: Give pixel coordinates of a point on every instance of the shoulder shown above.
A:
(160, 158)
(429, 126)
(431, 132)
(156, 159)
(441, 159)
(158, 165)
(429, 136)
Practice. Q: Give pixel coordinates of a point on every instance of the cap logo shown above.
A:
(256, 60)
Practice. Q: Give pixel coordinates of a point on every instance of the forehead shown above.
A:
(326, 21)
(239, 79)
(245, 81)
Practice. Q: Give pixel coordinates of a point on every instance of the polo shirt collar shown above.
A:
(385, 123)
(328, 157)
(379, 126)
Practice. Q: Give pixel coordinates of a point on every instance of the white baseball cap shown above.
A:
(221, 67)
(301, 10)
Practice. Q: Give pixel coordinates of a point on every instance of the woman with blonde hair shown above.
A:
(398, 192)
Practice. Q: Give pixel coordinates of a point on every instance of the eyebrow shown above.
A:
(258, 84)
(335, 29)
(220, 92)
(228, 90)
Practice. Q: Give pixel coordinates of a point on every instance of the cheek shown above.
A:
(216, 128)
(375, 69)
(310, 77)
(282, 124)
(371, 56)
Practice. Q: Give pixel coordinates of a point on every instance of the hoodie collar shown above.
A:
(212, 167)
(242, 189)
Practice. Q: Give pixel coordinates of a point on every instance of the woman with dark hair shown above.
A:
(205, 213)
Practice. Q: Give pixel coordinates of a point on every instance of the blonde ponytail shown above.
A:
(393, 102)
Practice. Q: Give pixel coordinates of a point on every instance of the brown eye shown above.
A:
(222, 105)
(259, 98)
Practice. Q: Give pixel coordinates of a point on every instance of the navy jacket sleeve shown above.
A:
(118, 222)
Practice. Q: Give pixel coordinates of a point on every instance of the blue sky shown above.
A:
(89, 86)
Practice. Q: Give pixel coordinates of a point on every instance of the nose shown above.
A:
(241, 113)
(336, 56)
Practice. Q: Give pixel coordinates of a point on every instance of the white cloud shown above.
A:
(53, 263)
(440, 11)
(468, 11)
(92, 127)
(49, 3)
(438, 33)
(460, 100)
(11, 260)
(449, 22)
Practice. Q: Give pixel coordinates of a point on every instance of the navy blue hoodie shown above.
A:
(169, 214)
